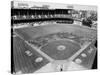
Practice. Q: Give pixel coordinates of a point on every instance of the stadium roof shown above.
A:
(30, 4)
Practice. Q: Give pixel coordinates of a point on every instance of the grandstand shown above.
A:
(36, 15)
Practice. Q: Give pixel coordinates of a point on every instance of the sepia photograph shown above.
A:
(53, 37)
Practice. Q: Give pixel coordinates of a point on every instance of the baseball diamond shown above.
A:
(42, 45)
(61, 49)
(51, 37)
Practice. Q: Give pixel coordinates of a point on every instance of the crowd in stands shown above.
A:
(21, 17)
(80, 17)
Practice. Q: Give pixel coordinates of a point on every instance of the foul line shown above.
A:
(36, 49)
(81, 50)
(40, 52)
